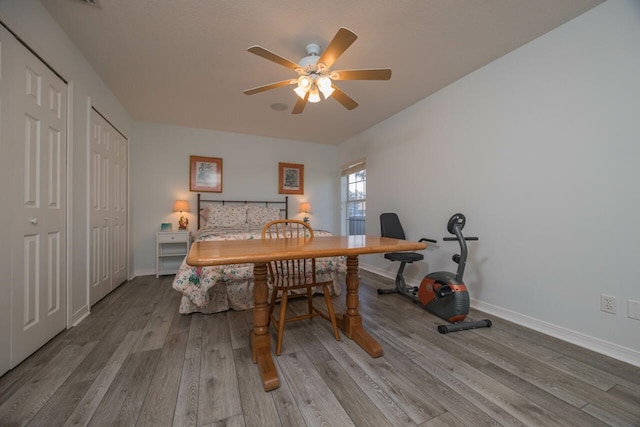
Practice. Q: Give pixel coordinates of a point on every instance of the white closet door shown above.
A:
(37, 149)
(108, 198)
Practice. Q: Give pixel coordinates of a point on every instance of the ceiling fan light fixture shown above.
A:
(314, 95)
(304, 82)
(324, 84)
(300, 92)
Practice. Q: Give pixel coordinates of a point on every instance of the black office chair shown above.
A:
(390, 227)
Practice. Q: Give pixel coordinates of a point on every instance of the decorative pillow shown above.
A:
(226, 216)
(260, 215)
(204, 214)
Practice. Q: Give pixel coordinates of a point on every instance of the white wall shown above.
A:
(30, 20)
(540, 150)
(160, 175)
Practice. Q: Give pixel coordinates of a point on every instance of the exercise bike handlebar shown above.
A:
(453, 239)
(428, 240)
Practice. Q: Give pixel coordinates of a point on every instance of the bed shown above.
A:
(220, 288)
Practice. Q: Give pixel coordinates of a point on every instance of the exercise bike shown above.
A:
(444, 293)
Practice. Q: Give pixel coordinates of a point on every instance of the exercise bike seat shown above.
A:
(408, 257)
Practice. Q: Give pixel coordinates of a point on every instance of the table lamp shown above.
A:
(305, 208)
(182, 206)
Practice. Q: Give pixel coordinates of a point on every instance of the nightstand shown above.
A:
(171, 248)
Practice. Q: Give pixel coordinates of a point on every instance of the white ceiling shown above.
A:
(185, 62)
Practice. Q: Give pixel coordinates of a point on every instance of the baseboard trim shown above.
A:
(145, 272)
(80, 315)
(615, 351)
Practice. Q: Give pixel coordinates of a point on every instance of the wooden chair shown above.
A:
(290, 275)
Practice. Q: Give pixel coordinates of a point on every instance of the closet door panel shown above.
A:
(100, 265)
(108, 186)
(38, 234)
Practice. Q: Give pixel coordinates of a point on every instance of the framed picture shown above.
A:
(166, 226)
(290, 178)
(206, 174)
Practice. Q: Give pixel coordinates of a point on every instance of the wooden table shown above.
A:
(260, 252)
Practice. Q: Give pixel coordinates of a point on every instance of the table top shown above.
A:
(223, 252)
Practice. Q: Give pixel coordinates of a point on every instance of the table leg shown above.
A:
(260, 338)
(351, 321)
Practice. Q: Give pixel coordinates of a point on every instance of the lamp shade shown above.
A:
(181, 206)
(305, 207)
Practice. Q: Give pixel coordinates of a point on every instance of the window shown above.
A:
(355, 192)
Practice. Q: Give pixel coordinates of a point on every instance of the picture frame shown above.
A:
(205, 174)
(166, 226)
(290, 178)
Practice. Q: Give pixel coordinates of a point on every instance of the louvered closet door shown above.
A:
(37, 149)
(108, 200)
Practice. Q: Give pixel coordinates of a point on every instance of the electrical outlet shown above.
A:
(608, 304)
(633, 309)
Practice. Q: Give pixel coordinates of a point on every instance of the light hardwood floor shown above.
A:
(136, 361)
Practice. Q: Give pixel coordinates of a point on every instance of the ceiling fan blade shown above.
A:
(375, 74)
(341, 41)
(270, 86)
(267, 54)
(300, 104)
(343, 98)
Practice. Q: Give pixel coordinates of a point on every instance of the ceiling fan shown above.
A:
(315, 76)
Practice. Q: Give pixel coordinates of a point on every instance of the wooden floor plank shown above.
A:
(554, 381)
(604, 363)
(160, 402)
(186, 412)
(426, 385)
(124, 398)
(85, 409)
(218, 397)
(25, 403)
(350, 359)
(156, 330)
(257, 406)
(316, 402)
(61, 405)
(612, 416)
(351, 397)
(445, 420)
(239, 329)
(115, 331)
(587, 373)
(288, 411)
(31, 367)
(562, 411)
